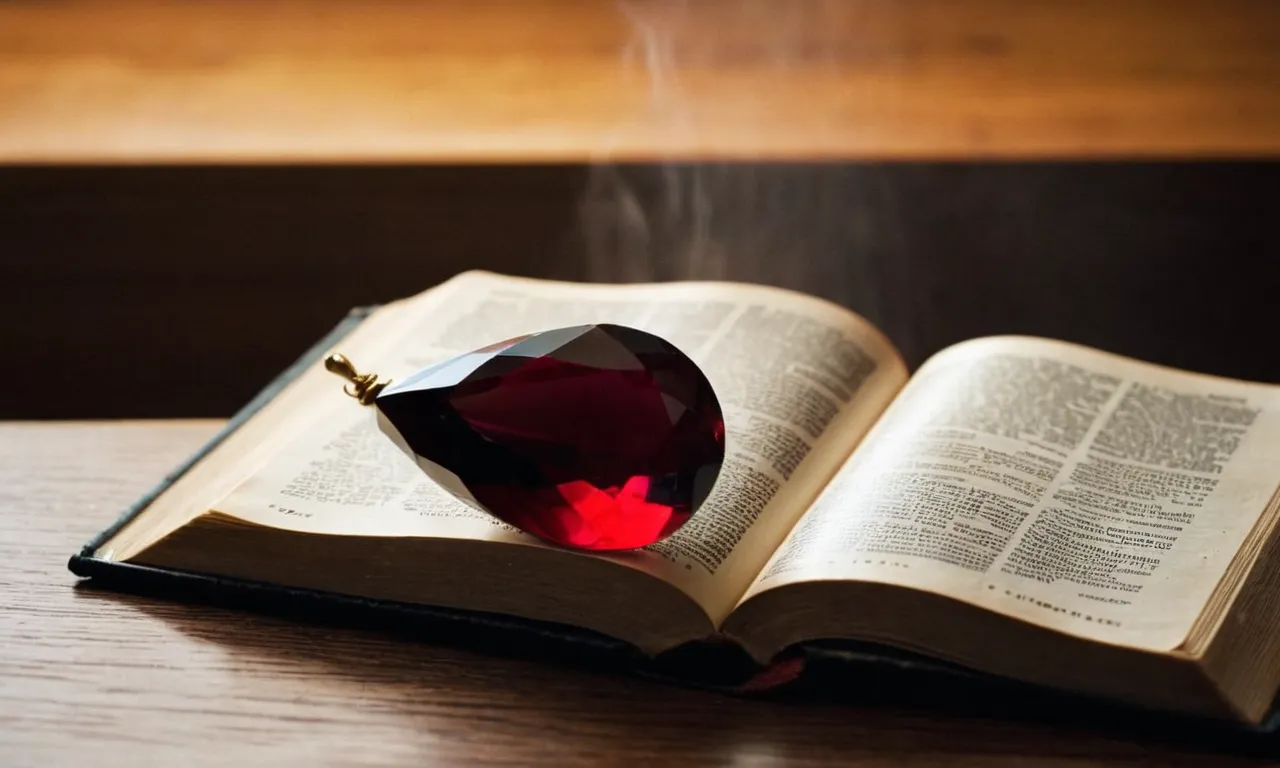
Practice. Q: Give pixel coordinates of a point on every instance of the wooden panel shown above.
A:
(214, 279)
(91, 678)
(570, 80)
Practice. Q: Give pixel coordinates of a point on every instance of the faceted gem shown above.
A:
(597, 437)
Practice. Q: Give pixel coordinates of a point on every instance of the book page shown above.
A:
(1063, 486)
(800, 382)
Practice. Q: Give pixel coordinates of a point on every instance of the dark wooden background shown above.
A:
(178, 291)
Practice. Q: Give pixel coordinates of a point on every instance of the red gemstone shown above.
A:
(597, 437)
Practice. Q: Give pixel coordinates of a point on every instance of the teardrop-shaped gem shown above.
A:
(597, 437)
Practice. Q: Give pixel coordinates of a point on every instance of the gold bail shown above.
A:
(362, 386)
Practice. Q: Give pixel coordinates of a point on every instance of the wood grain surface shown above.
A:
(574, 80)
(89, 678)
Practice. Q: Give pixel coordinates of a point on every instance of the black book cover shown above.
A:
(855, 673)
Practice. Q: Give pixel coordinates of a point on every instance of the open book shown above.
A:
(1023, 507)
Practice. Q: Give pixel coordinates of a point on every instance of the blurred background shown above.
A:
(191, 194)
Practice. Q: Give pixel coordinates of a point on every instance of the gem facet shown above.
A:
(596, 437)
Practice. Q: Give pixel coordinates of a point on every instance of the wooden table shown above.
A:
(88, 678)
(223, 81)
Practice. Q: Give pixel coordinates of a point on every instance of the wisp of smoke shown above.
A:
(789, 225)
